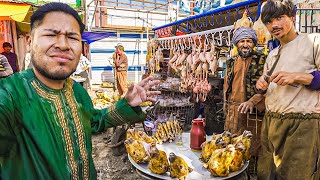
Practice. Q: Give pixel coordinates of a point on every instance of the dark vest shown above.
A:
(254, 72)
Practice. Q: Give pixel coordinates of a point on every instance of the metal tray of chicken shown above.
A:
(191, 158)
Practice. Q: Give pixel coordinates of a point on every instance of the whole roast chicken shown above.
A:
(238, 156)
(138, 135)
(208, 147)
(219, 162)
(136, 150)
(231, 158)
(245, 138)
(226, 160)
(218, 141)
(158, 163)
(178, 167)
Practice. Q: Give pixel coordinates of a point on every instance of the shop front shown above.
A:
(14, 26)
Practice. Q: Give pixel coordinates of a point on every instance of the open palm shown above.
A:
(139, 93)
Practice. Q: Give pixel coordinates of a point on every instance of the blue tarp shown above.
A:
(214, 11)
(90, 37)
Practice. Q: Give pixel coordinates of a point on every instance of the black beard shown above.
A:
(245, 55)
(45, 73)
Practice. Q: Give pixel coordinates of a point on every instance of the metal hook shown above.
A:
(161, 43)
(212, 20)
(228, 17)
(206, 21)
(195, 41)
(237, 14)
(165, 45)
(198, 38)
(196, 24)
(206, 41)
(228, 41)
(174, 30)
(212, 36)
(220, 38)
(184, 43)
(258, 11)
(220, 22)
(175, 44)
(187, 27)
(190, 41)
(181, 44)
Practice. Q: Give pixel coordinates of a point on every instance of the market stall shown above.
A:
(198, 47)
(193, 52)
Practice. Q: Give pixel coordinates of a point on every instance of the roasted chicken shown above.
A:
(231, 157)
(167, 131)
(226, 160)
(219, 162)
(238, 156)
(209, 146)
(178, 167)
(226, 136)
(136, 150)
(138, 135)
(218, 141)
(158, 163)
(245, 138)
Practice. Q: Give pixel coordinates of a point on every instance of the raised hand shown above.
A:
(139, 93)
(245, 106)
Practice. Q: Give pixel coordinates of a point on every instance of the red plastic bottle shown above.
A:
(197, 133)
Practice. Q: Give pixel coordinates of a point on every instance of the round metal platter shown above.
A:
(192, 159)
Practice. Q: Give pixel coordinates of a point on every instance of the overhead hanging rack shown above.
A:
(186, 41)
(219, 17)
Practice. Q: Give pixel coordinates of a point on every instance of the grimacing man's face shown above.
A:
(245, 47)
(55, 46)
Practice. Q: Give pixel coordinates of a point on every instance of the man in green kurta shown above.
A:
(46, 119)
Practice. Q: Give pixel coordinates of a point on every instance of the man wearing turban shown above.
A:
(242, 73)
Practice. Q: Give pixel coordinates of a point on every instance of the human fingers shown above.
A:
(275, 77)
(244, 109)
(152, 93)
(151, 99)
(151, 84)
(142, 93)
(240, 107)
(281, 82)
(261, 84)
(145, 81)
(264, 82)
(130, 88)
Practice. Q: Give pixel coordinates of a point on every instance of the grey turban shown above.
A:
(242, 33)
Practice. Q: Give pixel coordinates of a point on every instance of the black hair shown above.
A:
(38, 15)
(276, 8)
(6, 44)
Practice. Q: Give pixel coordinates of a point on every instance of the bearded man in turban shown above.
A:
(242, 73)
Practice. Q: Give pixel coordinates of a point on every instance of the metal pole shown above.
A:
(147, 25)
(94, 13)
